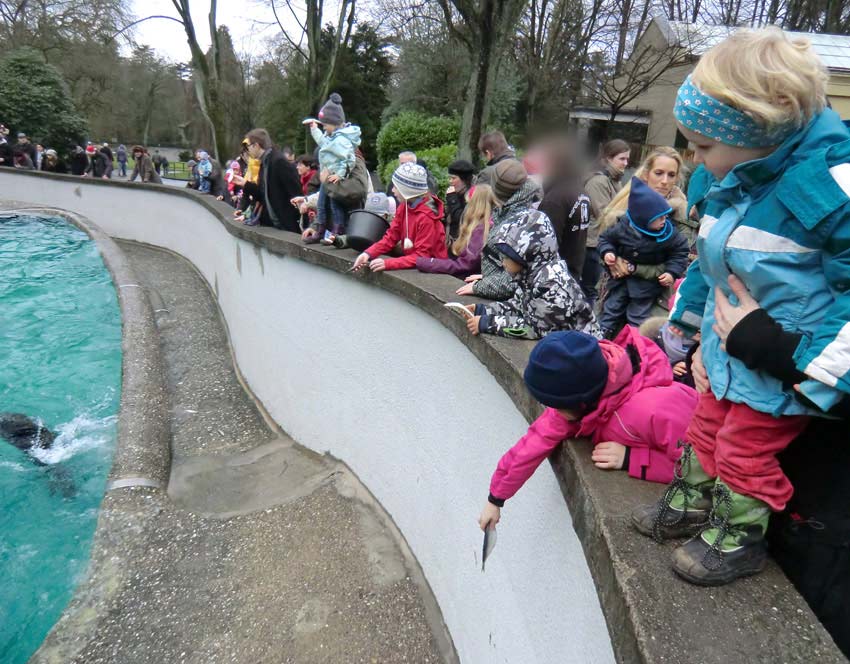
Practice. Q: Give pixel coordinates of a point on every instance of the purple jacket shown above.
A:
(469, 262)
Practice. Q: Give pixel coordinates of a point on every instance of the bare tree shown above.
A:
(310, 29)
(485, 28)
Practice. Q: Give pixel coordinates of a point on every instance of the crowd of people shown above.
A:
(698, 334)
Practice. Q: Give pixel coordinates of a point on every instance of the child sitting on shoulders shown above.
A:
(416, 229)
(204, 171)
(337, 146)
(643, 236)
(619, 393)
(465, 251)
(547, 298)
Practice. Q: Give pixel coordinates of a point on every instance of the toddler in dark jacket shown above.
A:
(643, 236)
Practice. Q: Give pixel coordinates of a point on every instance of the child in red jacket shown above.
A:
(417, 228)
(619, 393)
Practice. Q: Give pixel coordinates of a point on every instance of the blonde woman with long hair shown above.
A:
(465, 251)
(662, 170)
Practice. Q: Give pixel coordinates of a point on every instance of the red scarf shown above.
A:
(305, 179)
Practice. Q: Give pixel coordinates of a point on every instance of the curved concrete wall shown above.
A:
(352, 370)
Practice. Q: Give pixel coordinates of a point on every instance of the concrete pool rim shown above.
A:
(594, 499)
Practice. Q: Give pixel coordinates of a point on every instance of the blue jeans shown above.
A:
(122, 169)
(330, 212)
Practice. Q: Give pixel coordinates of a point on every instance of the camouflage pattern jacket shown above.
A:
(496, 284)
(547, 298)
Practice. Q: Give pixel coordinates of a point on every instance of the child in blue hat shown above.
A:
(643, 236)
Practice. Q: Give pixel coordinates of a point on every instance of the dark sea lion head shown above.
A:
(24, 432)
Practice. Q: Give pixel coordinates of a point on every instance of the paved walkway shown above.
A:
(267, 553)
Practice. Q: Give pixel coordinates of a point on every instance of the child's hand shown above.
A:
(680, 369)
(473, 277)
(362, 259)
(609, 455)
(490, 516)
(466, 289)
(333, 179)
(378, 265)
(472, 325)
(666, 279)
(609, 258)
(314, 125)
(310, 232)
(470, 308)
(297, 201)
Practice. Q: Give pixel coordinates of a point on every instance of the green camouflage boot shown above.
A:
(683, 509)
(732, 546)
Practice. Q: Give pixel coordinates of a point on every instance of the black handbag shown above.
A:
(351, 190)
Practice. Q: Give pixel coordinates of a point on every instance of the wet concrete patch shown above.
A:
(225, 486)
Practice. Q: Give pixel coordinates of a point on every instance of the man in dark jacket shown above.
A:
(26, 147)
(278, 183)
(494, 148)
(564, 202)
(79, 161)
(99, 165)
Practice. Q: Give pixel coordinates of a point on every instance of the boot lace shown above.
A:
(681, 470)
(718, 518)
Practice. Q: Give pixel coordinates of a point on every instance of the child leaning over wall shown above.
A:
(416, 229)
(465, 258)
(777, 217)
(619, 393)
(546, 296)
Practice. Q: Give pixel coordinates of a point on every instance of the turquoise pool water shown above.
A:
(60, 362)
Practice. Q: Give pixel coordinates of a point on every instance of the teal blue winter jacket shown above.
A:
(336, 151)
(782, 225)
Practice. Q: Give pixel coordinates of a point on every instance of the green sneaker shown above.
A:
(733, 544)
(683, 509)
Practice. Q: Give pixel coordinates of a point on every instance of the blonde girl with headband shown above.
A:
(465, 251)
(776, 223)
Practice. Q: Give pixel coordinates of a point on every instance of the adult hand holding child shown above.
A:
(726, 315)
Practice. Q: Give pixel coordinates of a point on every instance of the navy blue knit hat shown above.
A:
(645, 205)
(566, 370)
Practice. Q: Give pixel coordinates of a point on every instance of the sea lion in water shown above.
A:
(24, 432)
(27, 435)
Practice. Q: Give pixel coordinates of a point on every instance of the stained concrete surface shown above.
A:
(263, 552)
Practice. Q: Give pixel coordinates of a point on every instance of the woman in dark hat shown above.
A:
(460, 180)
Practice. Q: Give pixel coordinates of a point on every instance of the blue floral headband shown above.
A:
(711, 118)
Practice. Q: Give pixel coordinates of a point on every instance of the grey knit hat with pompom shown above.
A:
(332, 112)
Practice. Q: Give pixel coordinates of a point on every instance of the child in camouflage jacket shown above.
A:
(547, 297)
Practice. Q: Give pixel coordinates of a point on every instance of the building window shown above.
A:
(681, 142)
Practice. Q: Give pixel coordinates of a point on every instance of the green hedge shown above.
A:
(416, 132)
(436, 159)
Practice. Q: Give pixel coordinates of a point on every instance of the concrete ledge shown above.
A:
(142, 454)
(651, 615)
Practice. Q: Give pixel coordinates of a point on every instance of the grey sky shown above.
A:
(240, 16)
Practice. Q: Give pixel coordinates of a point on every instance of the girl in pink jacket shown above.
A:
(618, 393)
